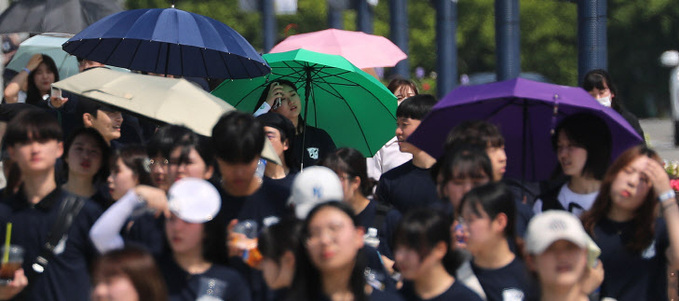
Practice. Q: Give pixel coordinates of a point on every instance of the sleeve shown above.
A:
(537, 207)
(374, 165)
(105, 233)
(263, 109)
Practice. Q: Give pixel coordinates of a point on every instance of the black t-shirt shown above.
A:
(284, 185)
(375, 295)
(66, 277)
(406, 187)
(457, 291)
(317, 143)
(182, 286)
(509, 283)
(629, 276)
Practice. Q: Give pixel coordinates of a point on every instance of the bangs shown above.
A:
(467, 169)
(412, 236)
(33, 125)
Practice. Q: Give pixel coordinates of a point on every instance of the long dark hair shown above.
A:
(279, 238)
(494, 198)
(596, 79)
(350, 161)
(421, 230)
(591, 133)
(306, 285)
(642, 222)
(33, 94)
(135, 158)
(265, 93)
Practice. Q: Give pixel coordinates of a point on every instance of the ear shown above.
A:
(440, 249)
(286, 144)
(10, 151)
(60, 149)
(500, 221)
(356, 183)
(288, 259)
(208, 172)
(87, 120)
(359, 236)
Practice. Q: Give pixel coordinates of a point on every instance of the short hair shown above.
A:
(494, 198)
(190, 140)
(416, 107)
(30, 125)
(421, 230)
(591, 133)
(398, 82)
(89, 106)
(279, 238)
(138, 266)
(238, 137)
(479, 133)
(286, 130)
(165, 139)
(102, 173)
(465, 161)
(134, 157)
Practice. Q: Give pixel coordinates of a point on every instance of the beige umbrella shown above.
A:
(168, 100)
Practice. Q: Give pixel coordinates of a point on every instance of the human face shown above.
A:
(480, 229)
(184, 237)
(571, 157)
(278, 275)
(274, 136)
(405, 127)
(498, 158)
(349, 185)
(36, 156)
(291, 104)
(84, 157)
(159, 169)
(106, 123)
(601, 93)
(561, 265)
(412, 266)
(193, 167)
(457, 187)
(238, 178)
(115, 288)
(121, 180)
(403, 92)
(43, 78)
(333, 240)
(631, 185)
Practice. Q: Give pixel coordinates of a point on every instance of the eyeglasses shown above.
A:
(159, 163)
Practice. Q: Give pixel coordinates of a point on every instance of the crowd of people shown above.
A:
(173, 215)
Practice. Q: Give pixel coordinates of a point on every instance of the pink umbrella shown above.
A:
(361, 49)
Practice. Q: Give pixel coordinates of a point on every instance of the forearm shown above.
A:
(670, 212)
(105, 232)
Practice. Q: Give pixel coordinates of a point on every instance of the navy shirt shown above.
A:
(283, 185)
(183, 286)
(630, 276)
(375, 295)
(66, 277)
(457, 291)
(509, 283)
(406, 187)
(317, 143)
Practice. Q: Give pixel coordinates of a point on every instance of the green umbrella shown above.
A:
(352, 106)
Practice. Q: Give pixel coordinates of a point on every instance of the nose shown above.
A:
(399, 131)
(109, 179)
(99, 292)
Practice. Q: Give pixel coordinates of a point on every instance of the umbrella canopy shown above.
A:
(168, 41)
(49, 44)
(353, 107)
(527, 113)
(167, 100)
(69, 16)
(361, 49)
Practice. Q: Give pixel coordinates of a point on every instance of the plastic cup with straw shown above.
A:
(8, 237)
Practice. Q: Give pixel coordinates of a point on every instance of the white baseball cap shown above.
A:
(194, 200)
(313, 186)
(553, 225)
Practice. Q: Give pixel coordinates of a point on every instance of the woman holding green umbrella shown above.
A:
(280, 96)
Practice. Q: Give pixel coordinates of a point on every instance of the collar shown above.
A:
(19, 200)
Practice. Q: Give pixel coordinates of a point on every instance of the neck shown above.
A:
(620, 215)
(80, 185)
(358, 202)
(276, 171)
(336, 282)
(295, 122)
(433, 283)
(494, 257)
(37, 186)
(573, 293)
(423, 160)
(192, 261)
(245, 190)
(584, 184)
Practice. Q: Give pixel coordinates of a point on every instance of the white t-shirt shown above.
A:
(388, 157)
(567, 196)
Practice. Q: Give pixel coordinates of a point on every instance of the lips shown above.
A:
(85, 164)
(625, 193)
(328, 254)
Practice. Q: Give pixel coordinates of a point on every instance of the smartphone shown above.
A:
(277, 101)
(56, 92)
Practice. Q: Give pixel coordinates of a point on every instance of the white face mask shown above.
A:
(605, 101)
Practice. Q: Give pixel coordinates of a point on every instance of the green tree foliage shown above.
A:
(638, 32)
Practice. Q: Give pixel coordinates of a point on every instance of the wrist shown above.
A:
(666, 196)
(26, 69)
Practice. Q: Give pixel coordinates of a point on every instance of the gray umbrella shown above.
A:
(67, 16)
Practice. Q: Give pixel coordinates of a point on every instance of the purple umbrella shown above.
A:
(527, 113)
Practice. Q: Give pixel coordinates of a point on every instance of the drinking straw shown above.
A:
(8, 235)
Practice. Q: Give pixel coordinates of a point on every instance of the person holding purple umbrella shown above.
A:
(582, 143)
